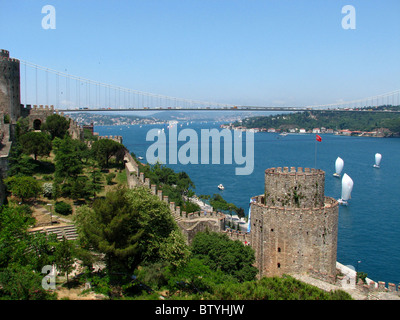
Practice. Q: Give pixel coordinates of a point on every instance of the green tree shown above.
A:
(22, 127)
(80, 188)
(14, 240)
(104, 149)
(239, 212)
(88, 135)
(393, 125)
(220, 203)
(56, 125)
(41, 250)
(19, 163)
(174, 185)
(68, 163)
(95, 183)
(112, 227)
(274, 288)
(158, 224)
(64, 257)
(196, 277)
(63, 208)
(23, 187)
(109, 178)
(22, 253)
(131, 227)
(20, 283)
(36, 143)
(220, 253)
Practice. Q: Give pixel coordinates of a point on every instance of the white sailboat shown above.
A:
(347, 188)
(339, 164)
(378, 159)
(221, 187)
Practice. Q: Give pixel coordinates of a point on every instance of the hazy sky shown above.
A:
(244, 52)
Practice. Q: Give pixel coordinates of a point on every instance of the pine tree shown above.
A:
(68, 163)
(64, 257)
(95, 181)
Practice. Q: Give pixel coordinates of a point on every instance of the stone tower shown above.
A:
(293, 225)
(9, 86)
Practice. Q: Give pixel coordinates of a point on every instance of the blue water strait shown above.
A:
(368, 236)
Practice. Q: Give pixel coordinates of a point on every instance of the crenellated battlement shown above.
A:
(10, 61)
(4, 53)
(37, 107)
(345, 278)
(189, 223)
(244, 237)
(205, 215)
(115, 138)
(297, 188)
(294, 170)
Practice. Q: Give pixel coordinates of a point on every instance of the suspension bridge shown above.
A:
(69, 93)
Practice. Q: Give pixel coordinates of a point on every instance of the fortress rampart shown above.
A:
(189, 223)
(114, 138)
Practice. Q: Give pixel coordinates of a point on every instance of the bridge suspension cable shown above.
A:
(366, 102)
(104, 93)
(90, 94)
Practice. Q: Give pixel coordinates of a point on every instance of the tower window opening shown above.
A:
(37, 124)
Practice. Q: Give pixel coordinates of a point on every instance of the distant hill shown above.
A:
(125, 117)
(337, 120)
(106, 118)
(208, 115)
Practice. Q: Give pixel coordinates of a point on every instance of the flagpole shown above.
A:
(317, 138)
(315, 162)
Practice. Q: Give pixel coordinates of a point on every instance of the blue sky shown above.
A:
(244, 52)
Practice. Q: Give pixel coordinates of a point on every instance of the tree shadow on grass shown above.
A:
(43, 167)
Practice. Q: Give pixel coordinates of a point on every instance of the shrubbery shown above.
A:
(63, 208)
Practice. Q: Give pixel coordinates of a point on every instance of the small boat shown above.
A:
(283, 134)
(378, 159)
(339, 164)
(140, 158)
(347, 188)
(221, 187)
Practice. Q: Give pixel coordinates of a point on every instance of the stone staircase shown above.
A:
(69, 231)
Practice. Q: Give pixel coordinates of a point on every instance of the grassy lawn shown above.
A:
(121, 178)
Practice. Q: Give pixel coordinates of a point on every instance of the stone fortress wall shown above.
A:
(9, 86)
(37, 115)
(293, 225)
(189, 223)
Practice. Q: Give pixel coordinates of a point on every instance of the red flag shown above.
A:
(319, 138)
